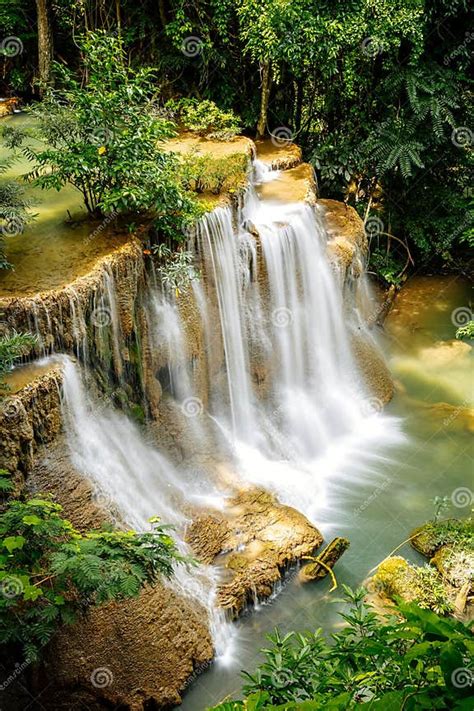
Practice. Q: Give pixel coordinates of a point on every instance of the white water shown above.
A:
(314, 423)
(279, 304)
(132, 477)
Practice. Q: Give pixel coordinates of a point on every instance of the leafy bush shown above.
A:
(466, 331)
(14, 212)
(49, 572)
(414, 661)
(201, 173)
(176, 269)
(205, 118)
(103, 137)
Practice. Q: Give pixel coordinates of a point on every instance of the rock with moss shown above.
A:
(396, 578)
(449, 545)
(433, 535)
(255, 539)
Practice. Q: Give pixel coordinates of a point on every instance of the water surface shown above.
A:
(377, 507)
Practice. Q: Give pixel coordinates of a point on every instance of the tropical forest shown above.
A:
(236, 355)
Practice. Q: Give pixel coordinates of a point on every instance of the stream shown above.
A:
(377, 509)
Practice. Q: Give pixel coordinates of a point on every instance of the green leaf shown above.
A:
(11, 543)
(32, 520)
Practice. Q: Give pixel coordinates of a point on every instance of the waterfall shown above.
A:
(131, 476)
(283, 409)
(280, 303)
(222, 254)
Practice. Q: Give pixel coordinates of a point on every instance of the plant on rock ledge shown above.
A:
(205, 118)
(50, 573)
(14, 212)
(176, 269)
(13, 347)
(413, 661)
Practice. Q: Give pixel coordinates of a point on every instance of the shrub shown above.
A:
(203, 173)
(104, 137)
(466, 332)
(13, 347)
(414, 661)
(14, 212)
(205, 118)
(49, 572)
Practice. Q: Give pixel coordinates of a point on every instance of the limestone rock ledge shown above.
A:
(73, 316)
(28, 418)
(136, 654)
(279, 155)
(254, 540)
(348, 238)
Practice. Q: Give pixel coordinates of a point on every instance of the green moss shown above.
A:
(420, 584)
(237, 562)
(435, 534)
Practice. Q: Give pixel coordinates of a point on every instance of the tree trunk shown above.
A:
(118, 17)
(45, 44)
(265, 97)
(329, 557)
(299, 104)
(162, 11)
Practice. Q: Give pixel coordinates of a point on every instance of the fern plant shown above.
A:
(396, 148)
(50, 572)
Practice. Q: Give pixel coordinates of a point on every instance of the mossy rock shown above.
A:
(455, 565)
(396, 577)
(237, 561)
(432, 536)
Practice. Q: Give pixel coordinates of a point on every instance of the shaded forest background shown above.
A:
(376, 92)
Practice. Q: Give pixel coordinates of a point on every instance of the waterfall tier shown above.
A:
(247, 383)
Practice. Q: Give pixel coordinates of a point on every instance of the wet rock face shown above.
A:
(93, 317)
(139, 654)
(374, 370)
(255, 539)
(28, 418)
(279, 155)
(136, 654)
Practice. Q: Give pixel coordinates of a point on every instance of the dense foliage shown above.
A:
(204, 118)
(376, 92)
(416, 660)
(50, 573)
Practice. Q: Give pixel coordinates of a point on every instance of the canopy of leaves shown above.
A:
(376, 92)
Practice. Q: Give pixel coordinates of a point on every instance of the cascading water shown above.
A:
(132, 477)
(286, 306)
(288, 413)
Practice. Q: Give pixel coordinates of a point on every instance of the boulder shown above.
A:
(255, 539)
(137, 653)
